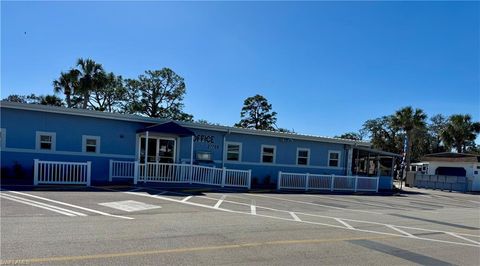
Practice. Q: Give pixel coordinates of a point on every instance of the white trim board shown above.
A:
(53, 143)
(97, 143)
(308, 157)
(239, 151)
(73, 153)
(136, 118)
(274, 159)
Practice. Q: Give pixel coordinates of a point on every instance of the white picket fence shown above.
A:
(53, 172)
(179, 173)
(326, 182)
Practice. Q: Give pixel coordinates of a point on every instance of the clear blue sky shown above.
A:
(325, 66)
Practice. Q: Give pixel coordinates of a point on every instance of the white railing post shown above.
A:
(190, 175)
(136, 170)
(249, 180)
(356, 183)
(279, 181)
(332, 183)
(145, 172)
(378, 183)
(307, 178)
(89, 173)
(110, 171)
(35, 172)
(224, 174)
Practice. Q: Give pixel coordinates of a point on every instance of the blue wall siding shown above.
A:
(117, 137)
(118, 142)
(286, 154)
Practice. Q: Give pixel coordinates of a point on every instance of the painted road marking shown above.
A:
(74, 206)
(399, 230)
(315, 204)
(130, 205)
(38, 206)
(46, 205)
(219, 202)
(186, 198)
(344, 223)
(295, 217)
(253, 208)
(310, 222)
(464, 238)
(192, 249)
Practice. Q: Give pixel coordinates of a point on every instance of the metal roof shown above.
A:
(194, 125)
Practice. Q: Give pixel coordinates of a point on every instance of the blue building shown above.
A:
(47, 133)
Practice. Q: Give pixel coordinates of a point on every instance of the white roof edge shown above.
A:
(137, 118)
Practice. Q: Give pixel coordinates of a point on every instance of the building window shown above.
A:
(234, 151)
(204, 156)
(3, 134)
(303, 156)
(46, 141)
(91, 144)
(268, 154)
(333, 158)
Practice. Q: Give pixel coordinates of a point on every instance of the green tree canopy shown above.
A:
(351, 135)
(35, 99)
(436, 127)
(110, 96)
(157, 93)
(68, 84)
(460, 132)
(91, 78)
(257, 113)
(411, 122)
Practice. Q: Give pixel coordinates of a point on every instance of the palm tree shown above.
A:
(460, 131)
(91, 77)
(410, 121)
(68, 84)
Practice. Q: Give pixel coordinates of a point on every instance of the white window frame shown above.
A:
(3, 135)
(339, 158)
(84, 144)
(308, 156)
(274, 153)
(239, 151)
(43, 133)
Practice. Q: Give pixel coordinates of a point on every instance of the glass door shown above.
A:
(166, 150)
(160, 150)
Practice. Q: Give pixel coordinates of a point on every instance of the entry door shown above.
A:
(166, 150)
(160, 150)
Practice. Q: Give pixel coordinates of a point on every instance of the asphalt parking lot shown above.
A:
(155, 226)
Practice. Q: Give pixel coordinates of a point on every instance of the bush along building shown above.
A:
(55, 145)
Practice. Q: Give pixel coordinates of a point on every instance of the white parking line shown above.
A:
(400, 231)
(219, 202)
(74, 206)
(186, 198)
(344, 223)
(44, 204)
(464, 238)
(37, 205)
(295, 217)
(314, 204)
(253, 208)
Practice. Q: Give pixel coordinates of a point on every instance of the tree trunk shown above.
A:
(68, 100)
(85, 100)
(409, 151)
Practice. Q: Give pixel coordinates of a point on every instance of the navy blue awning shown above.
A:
(169, 128)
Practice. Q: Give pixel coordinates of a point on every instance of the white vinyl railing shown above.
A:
(326, 182)
(123, 169)
(50, 172)
(179, 173)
